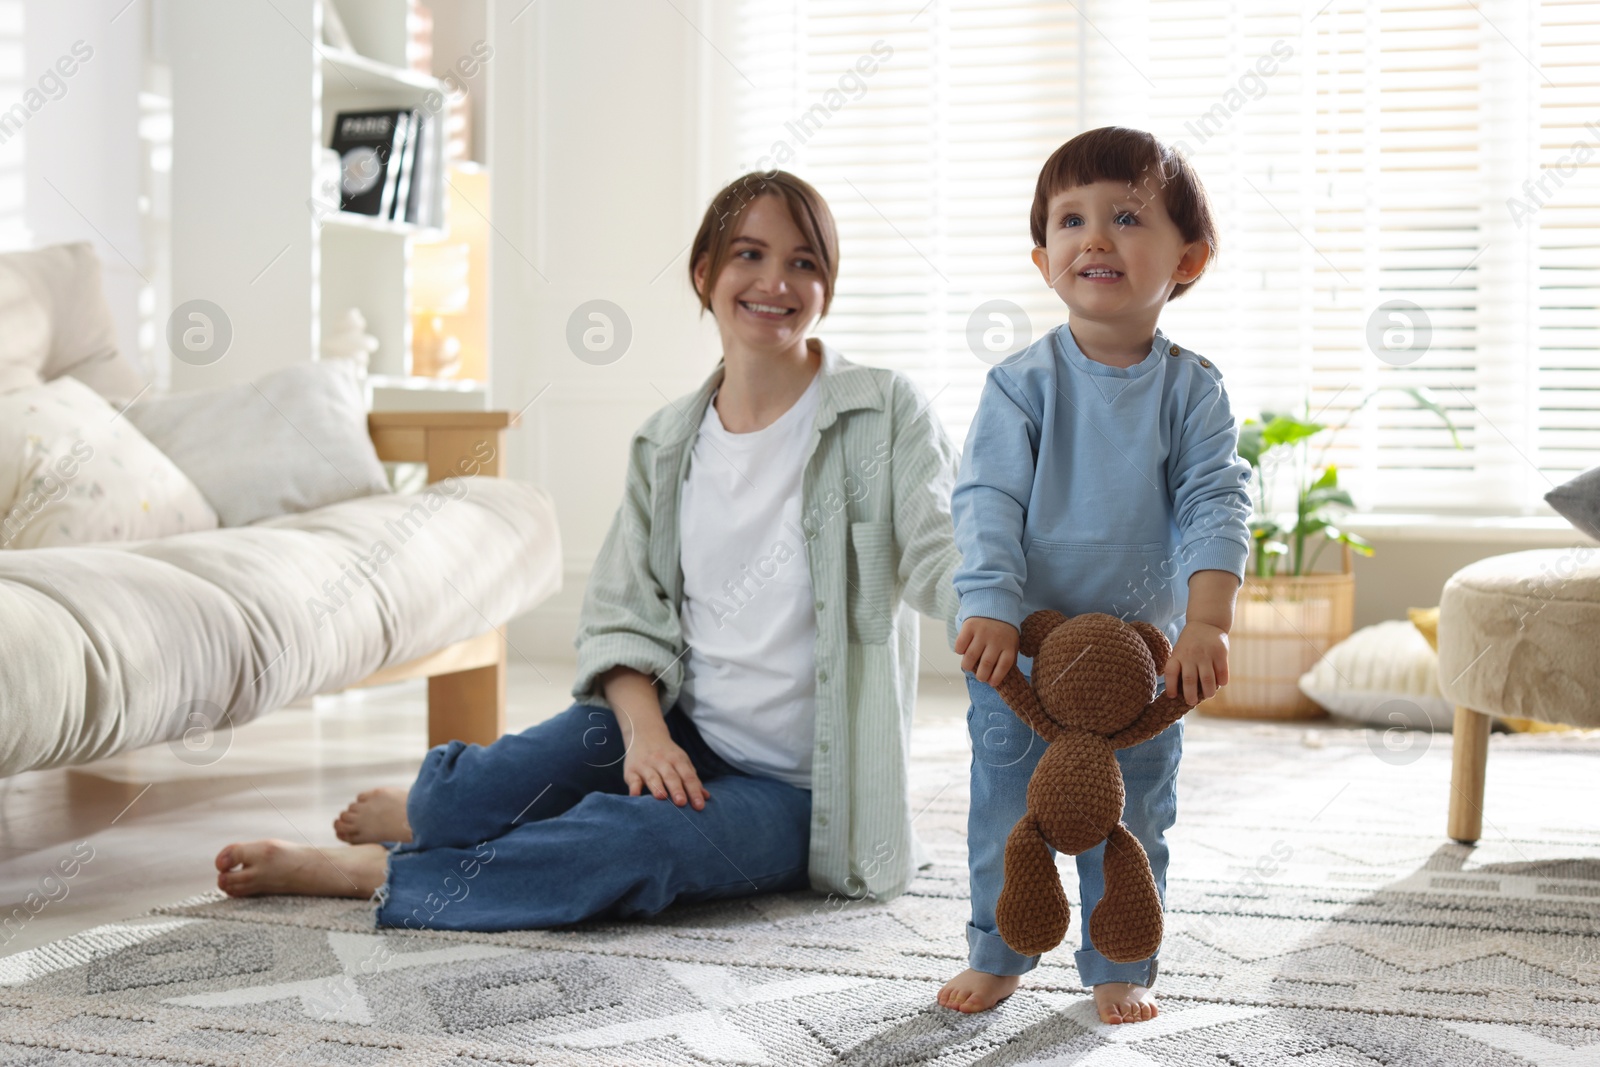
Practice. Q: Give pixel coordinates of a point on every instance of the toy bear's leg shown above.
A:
(1005, 752)
(1126, 924)
(1032, 913)
(1150, 777)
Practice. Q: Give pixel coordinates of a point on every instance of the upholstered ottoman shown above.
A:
(1519, 635)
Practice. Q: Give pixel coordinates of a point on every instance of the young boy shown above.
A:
(1100, 474)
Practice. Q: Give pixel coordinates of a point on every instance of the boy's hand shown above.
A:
(657, 763)
(988, 648)
(1199, 662)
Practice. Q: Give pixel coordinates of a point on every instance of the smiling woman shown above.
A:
(747, 647)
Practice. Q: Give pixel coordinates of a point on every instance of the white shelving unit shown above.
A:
(255, 96)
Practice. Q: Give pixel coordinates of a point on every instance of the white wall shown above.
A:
(596, 194)
(245, 121)
(83, 162)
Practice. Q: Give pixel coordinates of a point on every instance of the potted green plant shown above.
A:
(1289, 614)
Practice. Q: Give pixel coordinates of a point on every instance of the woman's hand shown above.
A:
(652, 759)
(655, 761)
(988, 648)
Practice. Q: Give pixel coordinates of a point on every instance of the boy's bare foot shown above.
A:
(272, 866)
(973, 991)
(374, 816)
(1124, 1002)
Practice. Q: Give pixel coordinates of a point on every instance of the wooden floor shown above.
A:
(155, 822)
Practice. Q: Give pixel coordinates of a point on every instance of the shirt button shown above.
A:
(819, 605)
(822, 820)
(823, 746)
(822, 676)
(1205, 363)
(1172, 351)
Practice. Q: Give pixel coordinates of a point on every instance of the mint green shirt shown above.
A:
(879, 470)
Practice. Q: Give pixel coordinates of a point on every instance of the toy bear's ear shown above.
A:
(1035, 628)
(1160, 647)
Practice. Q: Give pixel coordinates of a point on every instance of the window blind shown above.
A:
(928, 163)
(14, 82)
(1363, 157)
(1566, 235)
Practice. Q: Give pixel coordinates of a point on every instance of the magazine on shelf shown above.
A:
(367, 142)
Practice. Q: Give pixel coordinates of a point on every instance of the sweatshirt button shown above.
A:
(1173, 350)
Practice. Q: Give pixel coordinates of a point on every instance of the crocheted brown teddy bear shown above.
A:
(1093, 692)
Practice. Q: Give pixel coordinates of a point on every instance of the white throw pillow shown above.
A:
(73, 472)
(54, 320)
(1385, 674)
(294, 440)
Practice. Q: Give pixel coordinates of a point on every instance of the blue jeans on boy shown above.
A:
(1005, 751)
(538, 830)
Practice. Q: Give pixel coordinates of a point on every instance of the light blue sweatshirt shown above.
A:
(1086, 487)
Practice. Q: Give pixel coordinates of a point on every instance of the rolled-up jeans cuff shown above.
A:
(380, 896)
(1094, 969)
(990, 954)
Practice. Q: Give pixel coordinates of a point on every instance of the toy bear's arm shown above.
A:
(1161, 713)
(1020, 698)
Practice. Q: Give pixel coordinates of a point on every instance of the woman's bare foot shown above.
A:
(272, 866)
(374, 816)
(973, 991)
(1124, 1002)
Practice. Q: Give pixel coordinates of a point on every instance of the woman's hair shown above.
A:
(806, 207)
(1119, 154)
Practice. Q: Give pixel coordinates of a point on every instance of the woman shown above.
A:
(747, 650)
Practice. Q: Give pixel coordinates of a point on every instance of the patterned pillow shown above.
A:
(73, 471)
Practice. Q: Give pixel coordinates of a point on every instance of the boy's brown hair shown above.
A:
(806, 207)
(1120, 154)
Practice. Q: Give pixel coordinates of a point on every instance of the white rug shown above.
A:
(1317, 917)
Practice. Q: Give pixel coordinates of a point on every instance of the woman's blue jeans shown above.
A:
(538, 830)
(1005, 751)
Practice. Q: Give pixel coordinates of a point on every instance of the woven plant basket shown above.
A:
(1281, 627)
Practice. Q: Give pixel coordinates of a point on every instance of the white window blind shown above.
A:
(1567, 234)
(13, 138)
(928, 162)
(1358, 153)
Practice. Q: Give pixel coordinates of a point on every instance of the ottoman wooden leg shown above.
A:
(1470, 757)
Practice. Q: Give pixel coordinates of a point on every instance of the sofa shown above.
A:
(124, 625)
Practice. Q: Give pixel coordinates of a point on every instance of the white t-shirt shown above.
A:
(748, 619)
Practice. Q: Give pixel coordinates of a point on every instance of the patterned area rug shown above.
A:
(1317, 917)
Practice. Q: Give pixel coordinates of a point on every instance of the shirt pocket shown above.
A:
(871, 575)
(1130, 581)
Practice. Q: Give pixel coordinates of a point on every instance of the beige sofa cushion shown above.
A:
(109, 647)
(1519, 635)
(54, 320)
(291, 441)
